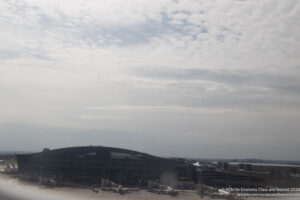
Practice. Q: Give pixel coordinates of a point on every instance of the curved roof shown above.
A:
(75, 151)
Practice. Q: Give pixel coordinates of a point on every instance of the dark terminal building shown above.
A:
(91, 164)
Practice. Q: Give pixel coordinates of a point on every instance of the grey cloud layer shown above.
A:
(230, 88)
(238, 78)
(163, 68)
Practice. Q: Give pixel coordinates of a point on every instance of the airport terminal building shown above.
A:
(90, 164)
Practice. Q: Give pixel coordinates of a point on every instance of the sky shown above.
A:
(187, 78)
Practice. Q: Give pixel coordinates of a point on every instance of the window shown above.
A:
(87, 155)
(122, 155)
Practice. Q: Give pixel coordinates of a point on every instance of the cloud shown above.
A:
(242, 78)
(135, 108)
(173, 64)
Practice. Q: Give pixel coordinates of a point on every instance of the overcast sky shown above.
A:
(193, 78)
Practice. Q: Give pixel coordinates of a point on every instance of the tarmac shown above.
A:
(14, 189)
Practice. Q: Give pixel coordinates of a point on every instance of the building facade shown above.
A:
(92, 163)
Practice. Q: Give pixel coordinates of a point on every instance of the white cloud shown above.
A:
(59, 57)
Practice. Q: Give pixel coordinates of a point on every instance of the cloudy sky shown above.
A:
(196, 78)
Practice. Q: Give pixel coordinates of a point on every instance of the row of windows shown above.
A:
(112, 155)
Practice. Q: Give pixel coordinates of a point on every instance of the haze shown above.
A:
(190, 78)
